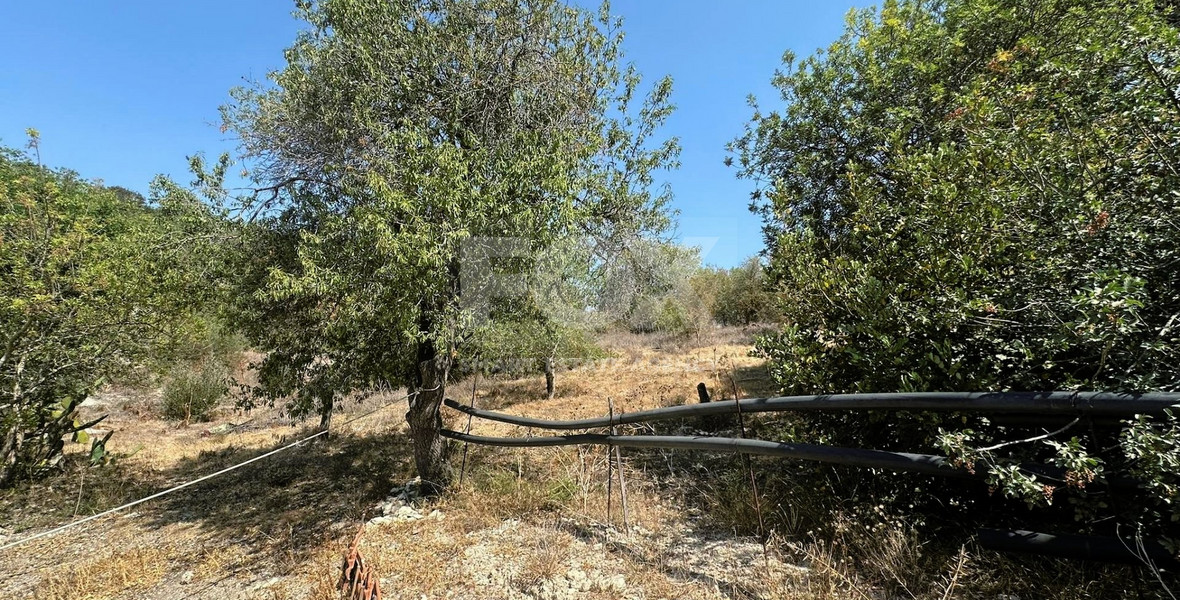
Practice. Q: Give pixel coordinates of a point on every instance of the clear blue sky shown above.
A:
(124, 90)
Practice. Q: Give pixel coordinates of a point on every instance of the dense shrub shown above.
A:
(89, 288)
(207, 338)
(740, 295)
(978, 195)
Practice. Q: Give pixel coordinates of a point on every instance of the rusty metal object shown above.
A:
(358, 579)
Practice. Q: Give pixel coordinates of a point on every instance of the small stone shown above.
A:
(222, 429)
(391, 505)
(186, 577)
(407, 513)
(617, 583)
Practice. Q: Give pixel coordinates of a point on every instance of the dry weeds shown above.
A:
(525, 523)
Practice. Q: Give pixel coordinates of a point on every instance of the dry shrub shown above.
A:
(887, 551)
(191, 393)
(546, 560)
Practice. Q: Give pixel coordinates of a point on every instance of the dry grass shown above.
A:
(107, 575)
(545, 559)
(522, 521)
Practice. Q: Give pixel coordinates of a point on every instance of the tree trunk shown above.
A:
(549, 377)
(326, 407)
(15, 437)
(8, 456)
(425, 419)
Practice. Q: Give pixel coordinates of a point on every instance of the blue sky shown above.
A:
(124, 90)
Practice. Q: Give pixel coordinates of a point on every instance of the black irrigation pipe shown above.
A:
(1083, 547)
(856, 457)
(1099, 404)
(877, 459)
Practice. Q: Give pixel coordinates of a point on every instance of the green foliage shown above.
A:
(521, 346)
(682, 297)
(89, 288)
(191, 393)
(548, 324)
(650, 288)
(1153, 449)
(204, 338)
(990, 215)
(741, 295)
(975, 195)
(396, 132)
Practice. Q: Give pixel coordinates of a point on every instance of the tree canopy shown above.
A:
(976, 195)
(979, 195)
(397, 132)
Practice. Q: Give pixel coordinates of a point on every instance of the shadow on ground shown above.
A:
(286, 506)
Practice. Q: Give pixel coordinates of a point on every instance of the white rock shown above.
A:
(407, 513)
(273, 581)
(186, 577)
(617, 583)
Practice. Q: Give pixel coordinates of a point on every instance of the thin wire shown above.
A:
(156, 495)
(73, 524)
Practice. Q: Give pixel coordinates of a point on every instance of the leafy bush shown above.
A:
(208, 338)
(741, 295)
(674, 317)
(191, 393)
(82, 300)
(521, 347)
(978, 195)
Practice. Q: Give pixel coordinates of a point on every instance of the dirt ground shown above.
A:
(522, 524)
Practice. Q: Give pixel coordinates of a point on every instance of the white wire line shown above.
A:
(73, 524)
(154, 496)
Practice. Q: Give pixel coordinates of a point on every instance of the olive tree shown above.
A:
(399, 131)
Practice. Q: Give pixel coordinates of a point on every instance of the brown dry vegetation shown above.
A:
(523, 524)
